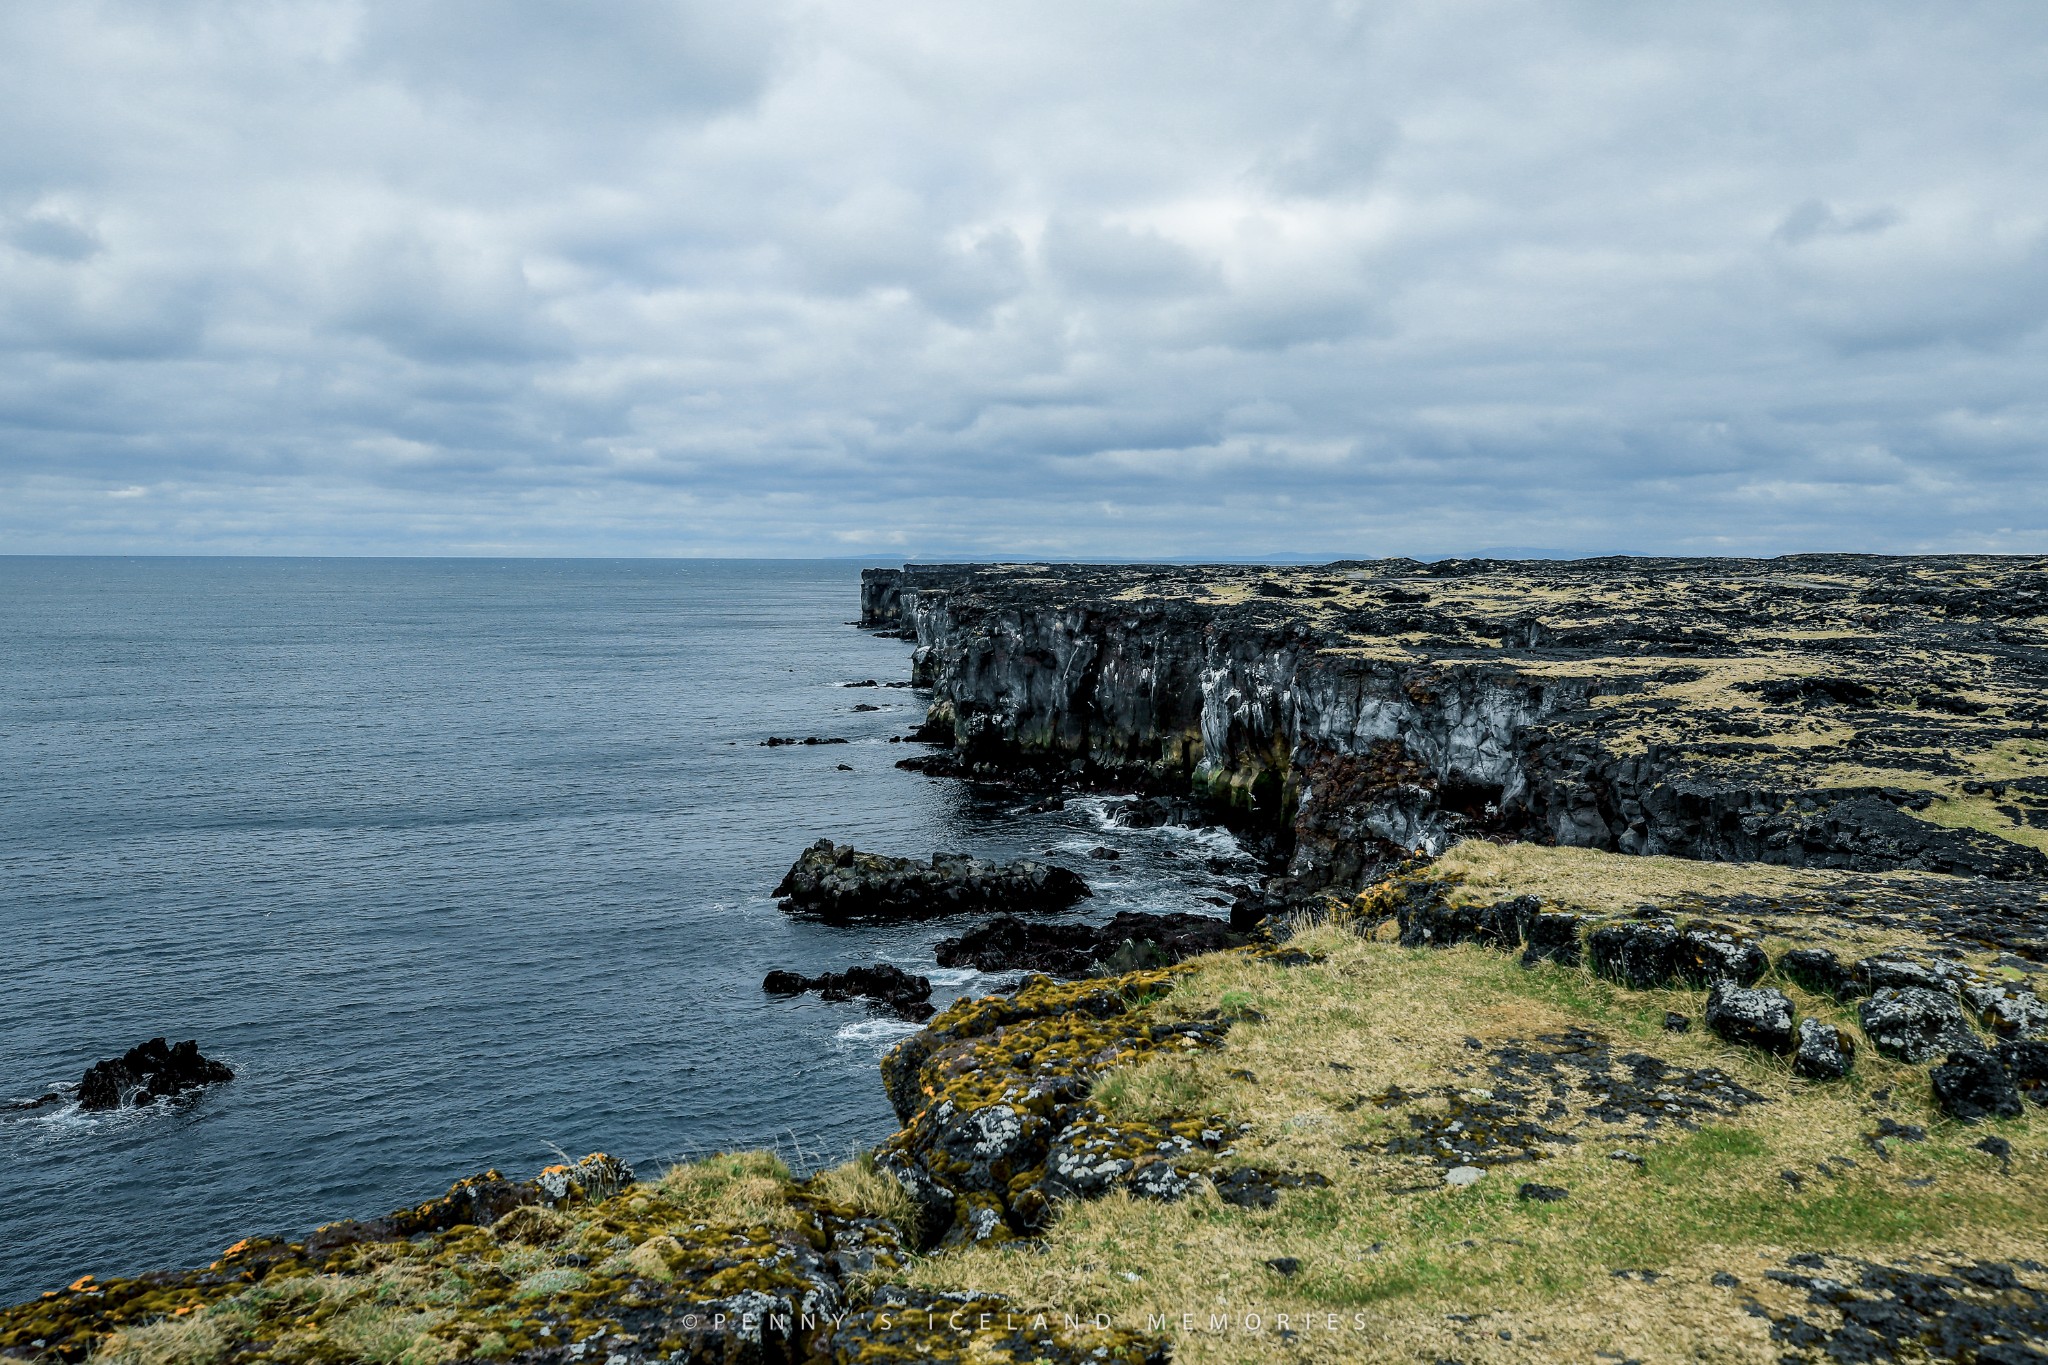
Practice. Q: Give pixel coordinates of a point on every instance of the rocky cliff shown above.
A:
(1837, 711)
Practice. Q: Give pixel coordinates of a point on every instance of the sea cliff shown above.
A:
(1842, 711)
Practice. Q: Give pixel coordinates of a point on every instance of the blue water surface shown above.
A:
(459, 863)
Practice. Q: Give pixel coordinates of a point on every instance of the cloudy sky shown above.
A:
(1051, 277)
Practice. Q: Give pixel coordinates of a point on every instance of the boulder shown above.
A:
(1431, 921)
(1008, 943)
(1708, 953)
(2026, 1062)
(837, 883)
(1971, 1085)
(1898, 969)
(2007, 1010)
(1639, 953)
(1151, 812)
(1913, 1023)
(1824, 1053)
(1819, 971)
(149, 1072)
(1553, 936)
(891, 987)
(1753, 1018)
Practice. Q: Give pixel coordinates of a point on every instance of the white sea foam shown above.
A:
(876, 1032)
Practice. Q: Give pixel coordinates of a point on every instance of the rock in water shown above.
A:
(1754, 1018)
(1825, 1053)
(891, 987)
(147, 1073)
(1971, 1085)
(835, 882)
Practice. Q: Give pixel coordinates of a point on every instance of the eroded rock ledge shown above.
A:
(1836, 711)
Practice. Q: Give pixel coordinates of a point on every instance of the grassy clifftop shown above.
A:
(1700, 1180)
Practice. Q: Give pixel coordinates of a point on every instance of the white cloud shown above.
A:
(669, 276)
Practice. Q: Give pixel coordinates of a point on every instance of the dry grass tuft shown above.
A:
(857, 1185)
(735, 1187)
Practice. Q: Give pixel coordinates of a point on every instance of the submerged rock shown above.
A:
(1008, 943)
(836, 882)
(152, 1071)
(893, 988)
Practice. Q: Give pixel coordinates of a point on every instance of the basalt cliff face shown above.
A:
(1835, 711)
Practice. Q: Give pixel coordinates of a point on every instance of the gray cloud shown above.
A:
(660, 276)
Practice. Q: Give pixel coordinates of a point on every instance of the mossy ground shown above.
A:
(1395, 1265)
(534, 1278)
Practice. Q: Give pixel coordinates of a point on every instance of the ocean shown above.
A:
(460, 864)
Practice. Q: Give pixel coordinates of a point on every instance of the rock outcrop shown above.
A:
(1821, 710)
(997, 1127)
(147, 1073)
(1128, 942)
(1825, 1052)
(1972, 1085)
(836, 882)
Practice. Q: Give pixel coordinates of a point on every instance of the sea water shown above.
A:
(459, 864)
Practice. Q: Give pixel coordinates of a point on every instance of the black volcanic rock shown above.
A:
(1633, 705)
(1825, 1053)
(1642, 954)
(1912, 1023)
(837, 883)
(1708, 953)
(149, 1072)
(2026, 1061)
(1008, 943)
(891, 987)
(1753, 1018)
(1971, 1085)
(1817, 970)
